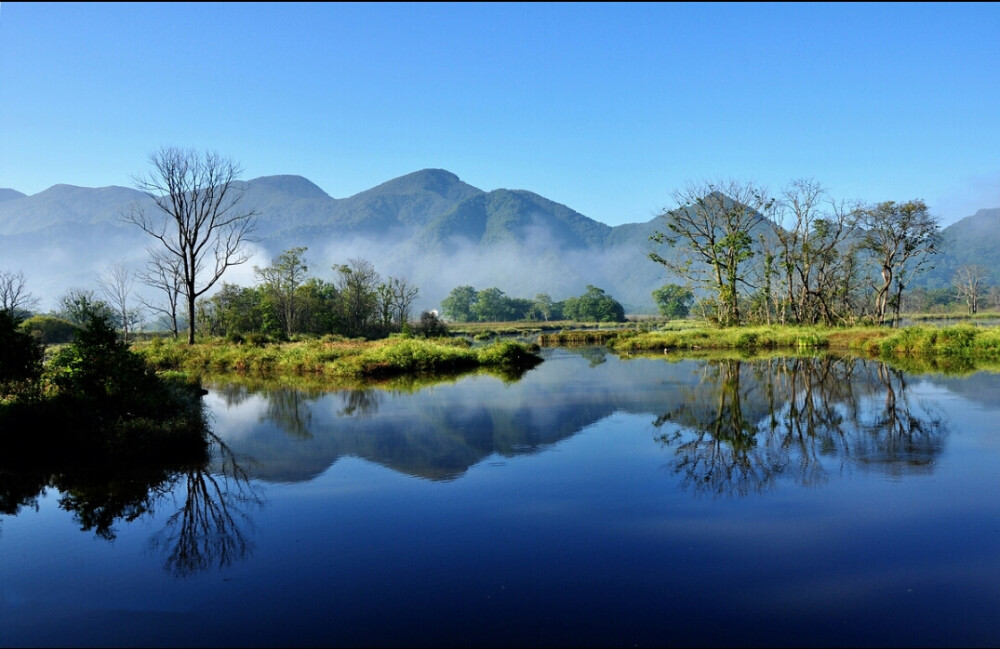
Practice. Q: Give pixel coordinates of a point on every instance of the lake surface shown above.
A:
(596, 501)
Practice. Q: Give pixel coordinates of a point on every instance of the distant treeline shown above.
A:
(466, 304)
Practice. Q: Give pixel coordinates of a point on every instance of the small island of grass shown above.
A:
(338, 358)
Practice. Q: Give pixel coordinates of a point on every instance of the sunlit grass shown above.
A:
(336, 358)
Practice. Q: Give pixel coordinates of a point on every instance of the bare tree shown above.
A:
(403, 295)
(15, 299)
(969, 281)
(712, 230)
(117, 286)
(993, 297)
(813, 231)
(199, 219)
(163, 272)
(901, 237)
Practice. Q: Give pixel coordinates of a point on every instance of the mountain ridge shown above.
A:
(428, 225)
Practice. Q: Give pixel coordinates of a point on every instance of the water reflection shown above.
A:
(736, 425)
(209, 528)
(745, 425)
(360, 403)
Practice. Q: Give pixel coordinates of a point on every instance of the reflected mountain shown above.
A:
(208, 529)
(736, 426)
(749, 424)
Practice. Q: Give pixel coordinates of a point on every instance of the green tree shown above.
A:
(901, 237)
(281, 281)
(457, 307)
(80, 306)
(49, 330)
(237, 310)
(673, 300)
(491, 305)
(542, 306)
(712, 232)
(320, 303)
(357, 283)
(594, 306)
(430, 326)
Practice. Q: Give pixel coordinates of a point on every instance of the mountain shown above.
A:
(971, 240)
(9, 194)
(428, 226)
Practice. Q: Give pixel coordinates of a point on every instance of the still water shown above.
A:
(595, 501)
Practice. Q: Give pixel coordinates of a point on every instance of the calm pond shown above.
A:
(596, 501)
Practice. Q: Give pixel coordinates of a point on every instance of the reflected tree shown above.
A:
(360, 403)
(804, 418)
(288, 407)
(210, 528)
(99, 505)
(721, 453)
(901, 436)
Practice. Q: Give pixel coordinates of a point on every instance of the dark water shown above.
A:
(596, 501)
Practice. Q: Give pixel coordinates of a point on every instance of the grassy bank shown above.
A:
(345, 359)
(919, 341)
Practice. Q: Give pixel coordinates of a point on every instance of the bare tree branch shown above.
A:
(200, 221)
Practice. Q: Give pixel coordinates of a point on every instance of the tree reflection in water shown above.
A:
(209, 528)
(360, 403)
(750, 423)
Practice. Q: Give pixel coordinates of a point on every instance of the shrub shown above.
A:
(102, 375)
(430, 326)
(20, 358)
(49, 330)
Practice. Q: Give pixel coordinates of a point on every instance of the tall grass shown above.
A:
(960, 341)
(341, 358)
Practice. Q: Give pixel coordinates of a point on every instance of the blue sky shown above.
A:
(606, 108)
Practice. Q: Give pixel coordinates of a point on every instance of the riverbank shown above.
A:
(951, 349)
(338, 358)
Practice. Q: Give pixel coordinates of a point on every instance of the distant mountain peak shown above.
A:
(10, 194)
(289, 184)
(435, 181)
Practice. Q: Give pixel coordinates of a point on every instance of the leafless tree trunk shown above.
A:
(163, 272)
(199, 219)
(403, 294)
(14, 296)
(117, 286)
(969, 281)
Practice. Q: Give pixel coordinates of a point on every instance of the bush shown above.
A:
(20, 358)
(430, 326)
(104, 377)
(49, 330)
